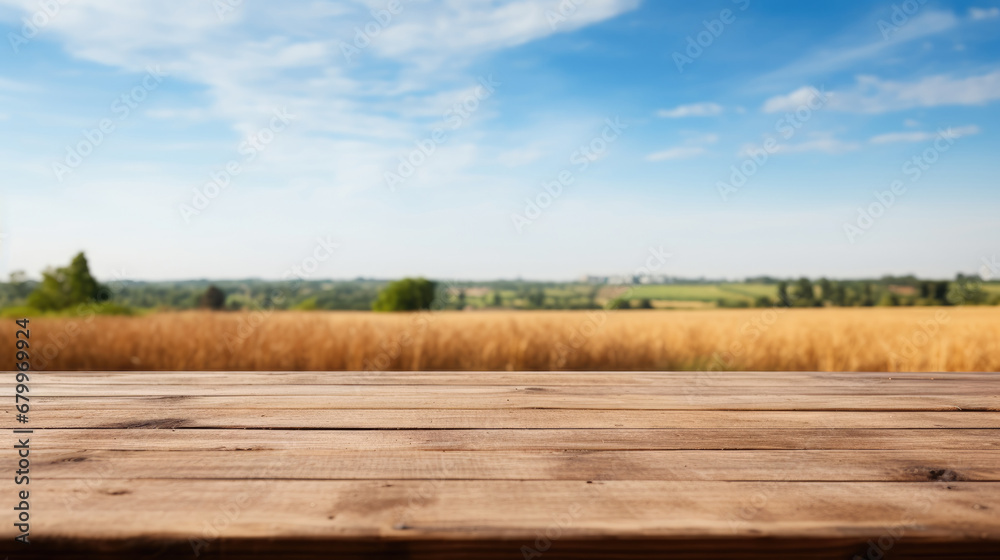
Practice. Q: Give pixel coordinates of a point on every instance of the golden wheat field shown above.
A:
(852, 339)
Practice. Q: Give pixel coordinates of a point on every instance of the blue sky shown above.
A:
(742, 137)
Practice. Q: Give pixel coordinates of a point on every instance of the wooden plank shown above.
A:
(704, 378)
(563, 398)
(789, 388)
(517, 439)
(563, 548)
(117, 510)
(352, 463)
(163, 413)
(688, 465)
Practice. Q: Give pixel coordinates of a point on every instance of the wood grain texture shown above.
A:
(463, 398)
(516, 464)
(164, 413)
(511, 465)
(512, 378)
(521, 439)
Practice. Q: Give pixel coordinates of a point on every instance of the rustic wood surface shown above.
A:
(511, 465)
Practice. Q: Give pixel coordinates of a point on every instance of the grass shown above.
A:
(836, 339)
(17, 312)
(704, 292)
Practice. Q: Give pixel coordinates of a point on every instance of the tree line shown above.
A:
(67, 288)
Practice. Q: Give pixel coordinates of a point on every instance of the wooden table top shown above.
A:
(533, 465)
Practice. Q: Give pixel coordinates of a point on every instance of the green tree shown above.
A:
(935, 292)
(408, 294)
(888, 299)
(867, 295)
(644, 303)
(618, 303)
(213, 298)
(804, 294)
(65, 287)
(966, 290)
(19, 284)
(825, 289)
(536, 298)
(783, 293)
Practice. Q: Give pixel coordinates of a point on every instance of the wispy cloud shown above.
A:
(848, 53)
(517, 158)
(805, 96)
(824, 145)
(16, 87)
(475, 27)
(823, 142)
(353, 120)
(873, 95)
(921, 136)
(194, 114)
(692, 110)
(679, 152)
(694, 146)
(984, 13)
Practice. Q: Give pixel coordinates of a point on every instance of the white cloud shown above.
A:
(517, 158)
(824, 145)
(826, 61)
(703, 139)
(17, 87)
(464, 28)
(693, 110)
(679, 152)
(805, 96)
(984, 13)
(873, 95)
(891, 137)
(693, 147)
(179, 114)
(911, 123)
(354, 119)
(921, 136)
(823, 142)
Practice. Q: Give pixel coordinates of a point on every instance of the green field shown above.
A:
(991, 287)
(704, 292)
